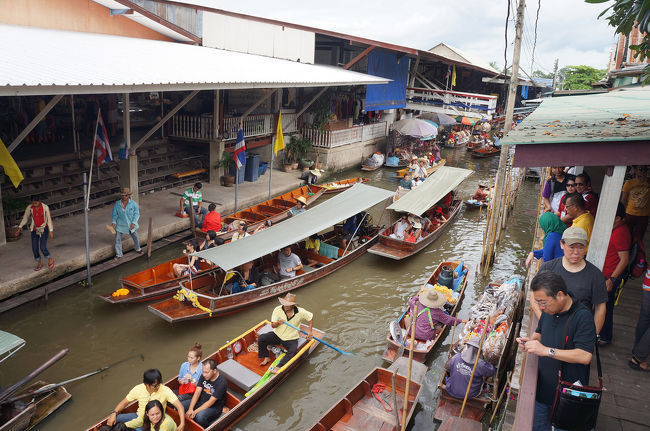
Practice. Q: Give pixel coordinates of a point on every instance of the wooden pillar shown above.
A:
(129, 167)
(607, 204)
(216, 144)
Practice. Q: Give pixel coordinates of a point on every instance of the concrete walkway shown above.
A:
(68, 245)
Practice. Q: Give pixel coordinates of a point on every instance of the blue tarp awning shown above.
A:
(393, 94)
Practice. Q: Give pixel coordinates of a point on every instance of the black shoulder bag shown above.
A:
(576, 407)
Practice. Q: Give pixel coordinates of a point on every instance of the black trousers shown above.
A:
(264, 340)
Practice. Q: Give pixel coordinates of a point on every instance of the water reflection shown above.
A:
(353, 306)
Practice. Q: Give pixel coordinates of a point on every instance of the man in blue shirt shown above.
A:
(125, 218)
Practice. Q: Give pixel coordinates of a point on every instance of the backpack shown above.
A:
(638, 262)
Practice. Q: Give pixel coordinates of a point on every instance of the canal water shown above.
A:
(353, 306)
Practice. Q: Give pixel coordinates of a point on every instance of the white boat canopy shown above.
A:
(9, 344)
(352, 201)
(434, 188)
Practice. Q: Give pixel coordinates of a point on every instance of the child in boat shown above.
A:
(430, 314)
(190, 373)
(182, 269)
(460, 369)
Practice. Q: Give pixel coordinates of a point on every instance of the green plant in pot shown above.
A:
(226, 162)
(297, 149)
(13, 211)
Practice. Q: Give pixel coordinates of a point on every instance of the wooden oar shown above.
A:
(471, 377)
(47, 364)
(408, 372)
(342, 352)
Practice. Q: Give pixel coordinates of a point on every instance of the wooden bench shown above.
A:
(188, 173)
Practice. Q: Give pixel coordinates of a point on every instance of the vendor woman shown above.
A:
(430, 313)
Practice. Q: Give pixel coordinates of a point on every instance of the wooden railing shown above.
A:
(200, 127)
(481, 105)
(331, 139)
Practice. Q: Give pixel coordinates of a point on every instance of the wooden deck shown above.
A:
(625, 405)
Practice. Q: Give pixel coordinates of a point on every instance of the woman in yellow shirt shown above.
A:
(156, 419)
(636, 198)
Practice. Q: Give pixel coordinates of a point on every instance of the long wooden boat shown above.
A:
(152, 283)
(474, 204)
(365, 167)
(360, 410)
(482, 152)
(473, 145)
(339, 186)
(25, 416)
(422, 348)
(431, 169)
(214, 302)
(475, 408)
(242, 373)
(400, 249)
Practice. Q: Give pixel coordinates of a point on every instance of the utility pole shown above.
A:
(498, 213)
(555, 74)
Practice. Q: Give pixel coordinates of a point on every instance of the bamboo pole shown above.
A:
(149, 237)
(471, 377)
(410, 363)
(395, 410)
(451, 345)
(496, 407)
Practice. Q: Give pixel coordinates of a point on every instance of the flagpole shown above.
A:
(271, 165)
(86, 197)
(92, 158)
(236, 185)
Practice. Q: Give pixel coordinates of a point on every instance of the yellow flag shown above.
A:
(279, 138)
(453, 77)
(10, 166)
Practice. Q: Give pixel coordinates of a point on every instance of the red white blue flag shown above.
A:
(101, 142)
(240, 149)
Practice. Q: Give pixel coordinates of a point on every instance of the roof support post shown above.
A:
(34, 122)
(414, 72)
(169, 115)
(126, 120)
(216, 144)
(607, 204)
(129, 166)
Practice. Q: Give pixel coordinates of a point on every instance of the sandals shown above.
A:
(638, 365)
(38, 267)
(50, 263)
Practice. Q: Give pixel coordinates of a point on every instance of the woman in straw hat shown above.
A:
(124, 220)
(430, 314)
(301, 206)
(283, 334)
(460, 369)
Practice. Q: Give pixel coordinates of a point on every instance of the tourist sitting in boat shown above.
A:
(156, 419)
(300, 208)
(414, 163)
(283, 334)
(430, 314)
(182, 269)
(413, 233)
(246, 278)
(460, 369)
(436, 155)
(421, 170)
(240, 233)
(401, 227)
(209, 398)
(189, 373)
(405, 183)
(151, 388)
(482, 193)
(212, 220)
(312, 243)
(288, 263)
(417, 180)
(267, 224)
(211, 240)
(350, 228)
(436, 216)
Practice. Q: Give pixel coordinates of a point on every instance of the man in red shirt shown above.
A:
(616, 260)
(40, 226)
(212, 220)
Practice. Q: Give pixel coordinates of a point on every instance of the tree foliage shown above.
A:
(540, 74)
(580, 77)
(624, 15)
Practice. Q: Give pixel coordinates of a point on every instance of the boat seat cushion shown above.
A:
(328, 250)
(239, 375)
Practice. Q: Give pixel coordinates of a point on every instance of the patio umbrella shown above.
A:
(465, 120)
(440, 118)
(415, 127)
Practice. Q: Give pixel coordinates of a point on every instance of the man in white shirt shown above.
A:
(288, 263)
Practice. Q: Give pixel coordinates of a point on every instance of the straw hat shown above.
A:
(471, 349)
(302, 200)
(417, 225)
(413, 157)
(125, 192)
(316, 172)
(289, 299)
(432, 298)
(235, 224)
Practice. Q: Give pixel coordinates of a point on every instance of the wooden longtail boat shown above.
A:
(475, 408)
(473, 204)
(482, 152)
(473, 145)
(205, 296)
(400, 249)
(241, 372)
(339, 186)
(420, 353)
(365, 167)
(28, 415)
(370, 168)
(431, 169)
(153, 283)
(360, 410)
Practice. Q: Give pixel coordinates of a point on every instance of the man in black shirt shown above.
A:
(564, 340)
(209, 398)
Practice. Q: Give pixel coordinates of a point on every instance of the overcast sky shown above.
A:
(567, 29)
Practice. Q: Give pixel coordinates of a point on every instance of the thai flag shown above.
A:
(240, 149)
(101, 142)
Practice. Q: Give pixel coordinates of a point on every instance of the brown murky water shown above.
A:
(353, 305)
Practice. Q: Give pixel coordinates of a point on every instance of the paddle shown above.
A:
(52, 386)
(266, 376)
(319, 340)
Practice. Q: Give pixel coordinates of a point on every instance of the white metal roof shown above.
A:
(38, 61)
(455, 54)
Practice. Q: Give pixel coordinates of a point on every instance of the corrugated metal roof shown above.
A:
(455, 54)
(42, 61)
(620, 115)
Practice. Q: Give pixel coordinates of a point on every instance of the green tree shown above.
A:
(624, 15)
(540, 74)
(498, 67)
(580, 77)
